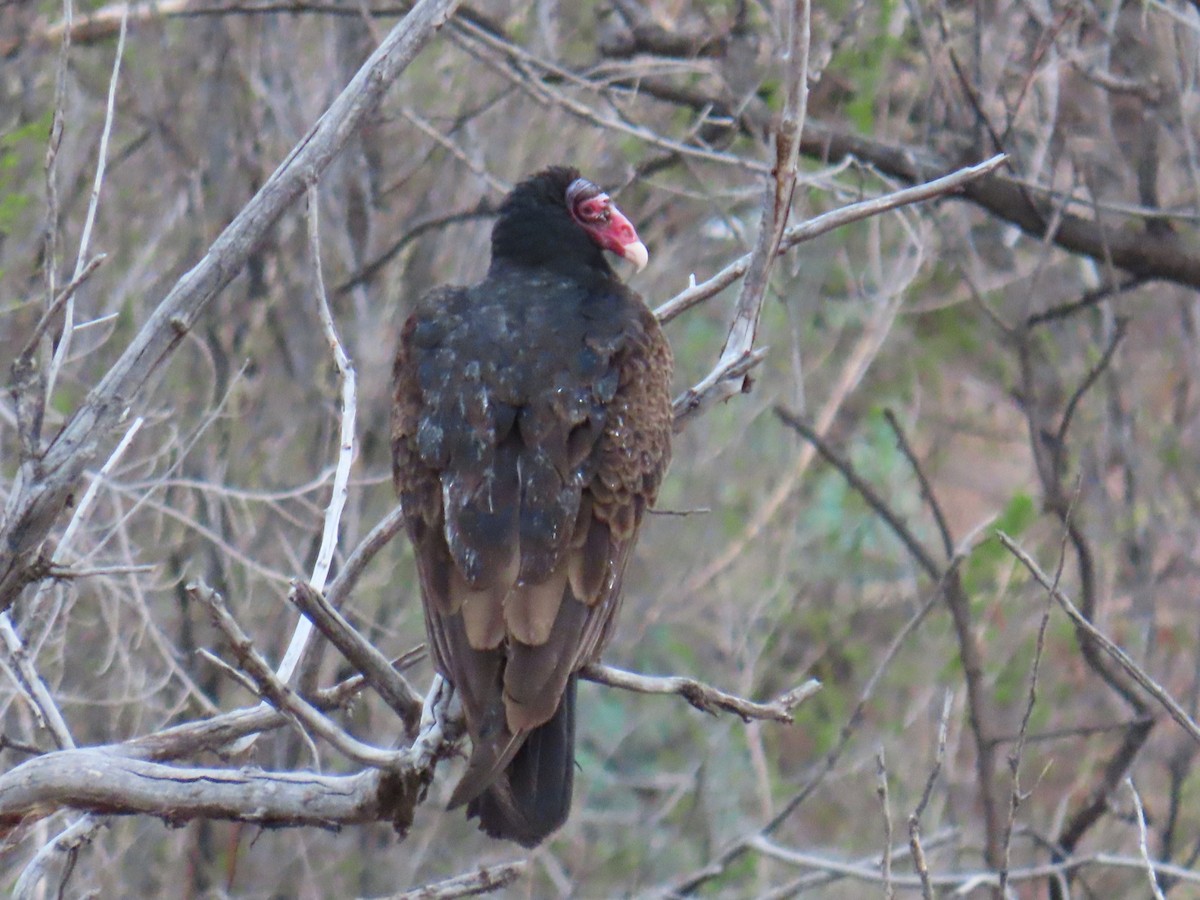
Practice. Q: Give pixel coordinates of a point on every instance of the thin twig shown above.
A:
(67, 841)
(1094, 373)
(1014, 758)
(68, 329)
(378, 538)
(483, 880)
(882, 509)
(1088, 300)
(702, 696)
(939, 517)
(341, 475)
(1143, 847)
(1136, 672)
(822, 224)
(77, 519)
(229, 671)
(279, 694)
(53, 309)
(885, 865)
(914, 820)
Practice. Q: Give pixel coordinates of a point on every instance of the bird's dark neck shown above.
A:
(586, 276)
(548, 241)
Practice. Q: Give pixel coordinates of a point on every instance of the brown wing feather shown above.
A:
(525, 451)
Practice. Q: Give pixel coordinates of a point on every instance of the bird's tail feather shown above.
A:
(532, 797)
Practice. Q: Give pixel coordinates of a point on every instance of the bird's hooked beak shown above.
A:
(598, 215)
(622, 238)
(637, 254)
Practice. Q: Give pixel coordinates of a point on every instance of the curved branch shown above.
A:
(703, 696)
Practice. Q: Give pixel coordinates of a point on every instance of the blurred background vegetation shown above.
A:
(980, 333)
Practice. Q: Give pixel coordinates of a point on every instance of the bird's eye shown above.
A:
(594, 209)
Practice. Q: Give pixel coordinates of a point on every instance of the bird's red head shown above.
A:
(558, 220)
(596, 214)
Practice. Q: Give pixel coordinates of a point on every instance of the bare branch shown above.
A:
(1164, 257)
(1140, 814)
(483, 880)
(1014, 758)
(216, 732)
(702, 696)
(963, 883)
(279, 694)
(360, 653)
(40, 503)
(915, 548)
(885, 867)
(1136, 672)
(47, 710)
(68, 841)
(725, 380)
(68, 329)
(926, 488)
(104, 782)
(117, 785)
(26, 354)
(341, 475)
(914, 819)
(777, 199)
(530, 74)
(823, 224)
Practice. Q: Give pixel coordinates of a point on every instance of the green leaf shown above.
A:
(1018, 514)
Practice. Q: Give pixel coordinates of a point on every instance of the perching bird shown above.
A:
(531, 427)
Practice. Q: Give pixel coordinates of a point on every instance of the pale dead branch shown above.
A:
(483, 880)
(702, 696)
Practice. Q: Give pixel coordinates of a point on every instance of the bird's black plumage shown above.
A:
(531, 429)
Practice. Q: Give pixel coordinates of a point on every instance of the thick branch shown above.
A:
(99, 781)
(117, 785)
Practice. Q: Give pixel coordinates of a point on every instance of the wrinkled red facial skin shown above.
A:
(598, 215)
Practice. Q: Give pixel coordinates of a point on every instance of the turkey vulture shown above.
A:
(531, 427)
